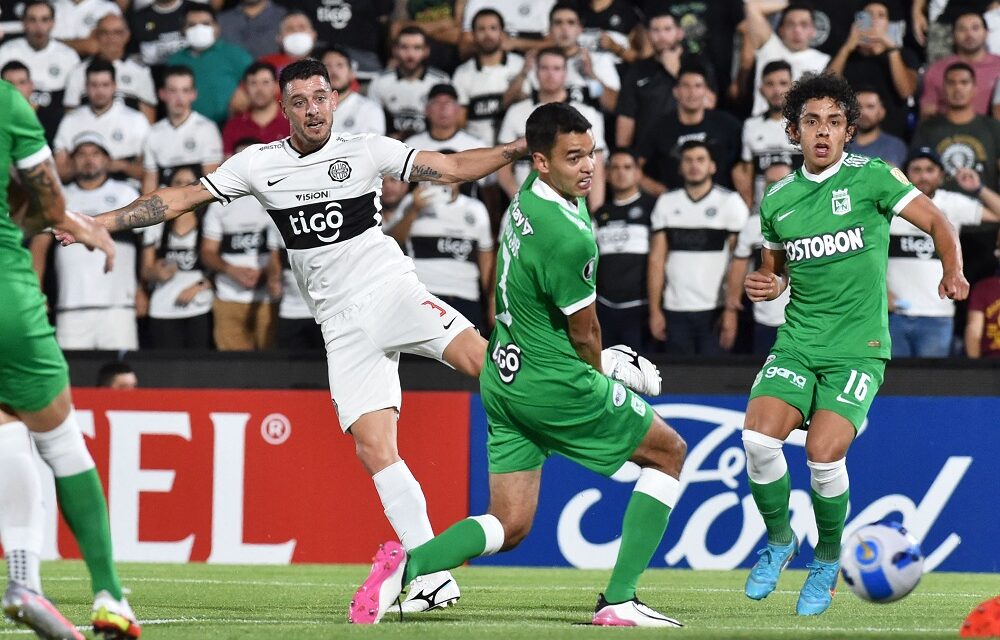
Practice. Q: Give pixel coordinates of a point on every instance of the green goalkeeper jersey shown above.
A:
(546, 271)
(834, 229)
(22, 143)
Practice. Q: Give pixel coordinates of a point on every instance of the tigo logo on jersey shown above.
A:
(827, 244)
(841, 202)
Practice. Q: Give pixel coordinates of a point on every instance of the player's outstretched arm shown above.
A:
(768, 282)
(922, 213)
(464, 166)
(46, 204)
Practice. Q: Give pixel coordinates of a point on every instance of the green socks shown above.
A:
(457, 544)
(772, 502)
(642, 530)
(830, 516)
(81, 500)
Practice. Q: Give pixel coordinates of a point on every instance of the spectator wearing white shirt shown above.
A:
(356, 113)
(551, 69)
(123, 129)
(526, 24)
(94, 309)
(796, 29)
(134, 80)
(184, 138)
(48, 60)
(76, 21)
(180, 306)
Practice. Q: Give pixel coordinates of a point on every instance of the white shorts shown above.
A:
(113, 329)
(364, 341)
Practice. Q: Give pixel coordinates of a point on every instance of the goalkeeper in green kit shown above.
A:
(548, 388)
(34, 387)
(826, 231)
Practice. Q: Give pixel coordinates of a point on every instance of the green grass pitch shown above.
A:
(210, 602)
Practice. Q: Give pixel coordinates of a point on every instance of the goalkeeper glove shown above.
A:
(623, 364)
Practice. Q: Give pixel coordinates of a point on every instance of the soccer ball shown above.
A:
(881, 562)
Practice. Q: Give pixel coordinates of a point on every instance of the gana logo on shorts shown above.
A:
(787, 374)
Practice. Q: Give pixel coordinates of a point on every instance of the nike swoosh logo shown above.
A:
(450, 322)
(785, 215)
(642, 82)
(271, 183)
(841, 398)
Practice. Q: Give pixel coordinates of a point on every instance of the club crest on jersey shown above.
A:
(340, 171)
(841, 202)
(588, 269)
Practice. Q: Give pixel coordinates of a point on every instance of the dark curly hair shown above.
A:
(812, 86)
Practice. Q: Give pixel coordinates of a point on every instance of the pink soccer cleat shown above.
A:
(382, 586)
(630, 613)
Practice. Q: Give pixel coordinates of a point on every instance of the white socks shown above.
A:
(765, 459)
(404, 504)
(659, 486)
(63, 448)
(493, 531)
(21, 512)
(829, 479)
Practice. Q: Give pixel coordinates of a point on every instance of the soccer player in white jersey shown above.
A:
(322, 191)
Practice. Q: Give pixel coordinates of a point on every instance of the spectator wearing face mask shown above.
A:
(296, 39)
(252, 25)
(218, 65)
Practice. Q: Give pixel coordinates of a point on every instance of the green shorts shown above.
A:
(599, 431)
(845, 386)
(33, 370)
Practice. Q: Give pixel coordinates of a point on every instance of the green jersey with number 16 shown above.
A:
(834, 229)
(546, 271)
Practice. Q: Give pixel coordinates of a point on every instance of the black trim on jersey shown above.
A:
(320, 224)
(707, 193)
(216, 189)
(308, 153)
(436, 247)
(503, 62)
(406, 162)
(915, 249)
(699, 239)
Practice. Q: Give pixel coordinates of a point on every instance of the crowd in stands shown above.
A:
(685, 102)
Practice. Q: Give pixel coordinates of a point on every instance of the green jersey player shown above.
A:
(34, 387)
(825, 228)
(545, 392)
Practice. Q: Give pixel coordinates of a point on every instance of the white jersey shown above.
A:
(748, 245)
(194, 143)
(293, 306)
(521, 18)
(404, 99)
(77, 20)
(326, 206)
(133, 80)
(480, 90)
(182, 250)
(808, 59)
(516, 118)
(765, 143)
(445, 241)
(124, 130)
(698, 245)
(358, 114)
(80, 272)
(49, 67)
(241, 231)
(914, 268)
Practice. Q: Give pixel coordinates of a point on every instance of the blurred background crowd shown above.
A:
(685, 101)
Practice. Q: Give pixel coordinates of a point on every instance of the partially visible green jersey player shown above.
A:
(544, 390)
(34, 386)
(826, 229)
